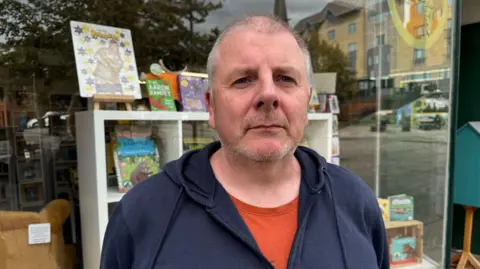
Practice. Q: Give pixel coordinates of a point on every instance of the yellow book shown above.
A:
(385, 207)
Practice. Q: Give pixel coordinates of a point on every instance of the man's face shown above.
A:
(261, 94)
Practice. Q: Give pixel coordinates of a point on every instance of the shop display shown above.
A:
(405, 241)
(404, 233)
(172, 133)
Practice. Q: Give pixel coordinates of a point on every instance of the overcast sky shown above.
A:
(296, 10)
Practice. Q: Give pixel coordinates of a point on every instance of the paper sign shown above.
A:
(39, 233)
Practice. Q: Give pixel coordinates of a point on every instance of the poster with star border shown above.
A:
(105, 60)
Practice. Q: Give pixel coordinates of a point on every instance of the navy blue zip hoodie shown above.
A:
(182, 218)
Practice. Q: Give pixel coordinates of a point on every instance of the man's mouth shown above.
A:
(267, 126)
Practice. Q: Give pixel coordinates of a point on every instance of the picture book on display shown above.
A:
(160, 95)
(403, 250)
(135, 154)
(192, 91)
(401, 207)
(385, 208)
(105, 60)
(192, 143)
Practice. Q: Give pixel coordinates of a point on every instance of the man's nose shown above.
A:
(268, 95)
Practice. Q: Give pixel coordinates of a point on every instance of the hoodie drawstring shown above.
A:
(339, 235)
(178, 203)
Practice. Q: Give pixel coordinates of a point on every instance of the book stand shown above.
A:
(466, 257)
(112, 98)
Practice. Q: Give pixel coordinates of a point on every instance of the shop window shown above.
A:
(406, 152)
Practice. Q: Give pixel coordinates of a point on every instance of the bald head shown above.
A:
(262, 24)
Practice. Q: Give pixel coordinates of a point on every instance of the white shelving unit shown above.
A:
(94, 195)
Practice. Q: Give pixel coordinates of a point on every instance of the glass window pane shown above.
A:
(387, 62)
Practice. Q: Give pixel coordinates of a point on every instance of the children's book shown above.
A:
(160, 95)
(401, 207)
(314, 104)
(192, 143)
(192, 91)
(385, 208)
(403, 250)
(135, 154)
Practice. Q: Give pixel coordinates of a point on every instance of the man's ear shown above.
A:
(210, 108)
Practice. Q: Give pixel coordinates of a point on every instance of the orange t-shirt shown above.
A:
(273, 229)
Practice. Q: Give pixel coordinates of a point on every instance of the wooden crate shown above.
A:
(405, 241)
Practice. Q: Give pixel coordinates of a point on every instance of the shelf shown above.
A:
(427, 263)
(107, 115)
(66, 162)
(172, 127)
(113, 195)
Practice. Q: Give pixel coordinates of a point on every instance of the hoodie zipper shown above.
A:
(298, 240)
(267, 263)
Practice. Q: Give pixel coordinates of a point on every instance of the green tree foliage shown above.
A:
(330, 58)
(38, 37)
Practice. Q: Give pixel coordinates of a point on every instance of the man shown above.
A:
(255, 199)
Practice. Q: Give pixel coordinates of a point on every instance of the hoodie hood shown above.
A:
(186, 170)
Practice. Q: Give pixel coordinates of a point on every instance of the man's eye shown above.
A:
(241, 81)
(286, 79)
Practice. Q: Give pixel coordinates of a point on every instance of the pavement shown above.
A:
(414, 163)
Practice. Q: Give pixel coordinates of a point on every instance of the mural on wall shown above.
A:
(422, 22)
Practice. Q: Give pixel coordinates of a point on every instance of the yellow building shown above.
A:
(343, 24)
(427, 64)
(367, 33)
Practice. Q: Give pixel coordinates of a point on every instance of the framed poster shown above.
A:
(105, 60)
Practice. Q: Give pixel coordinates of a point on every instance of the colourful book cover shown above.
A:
(160, 95)
(192, 90)
(192, 143)
(403, 250)
(136, 156)
(314, 104)
(401, 207)
(105, 60)
(385, 208)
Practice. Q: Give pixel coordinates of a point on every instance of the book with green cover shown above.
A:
(160, 95)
